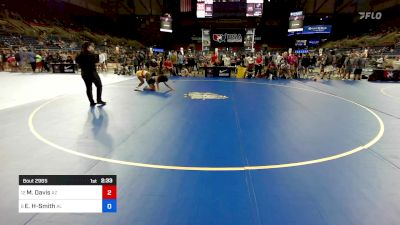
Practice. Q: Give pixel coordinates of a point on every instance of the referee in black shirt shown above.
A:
(87, 62)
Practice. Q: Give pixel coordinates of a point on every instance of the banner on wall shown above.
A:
(227, 38)
(317, 29)
(249, 39)
(205, 39)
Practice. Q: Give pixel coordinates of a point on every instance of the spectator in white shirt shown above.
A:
(227, 60)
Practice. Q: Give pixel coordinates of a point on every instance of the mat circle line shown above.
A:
(374, 140)
(389, 95)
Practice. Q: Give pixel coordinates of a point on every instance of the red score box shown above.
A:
(109, 192)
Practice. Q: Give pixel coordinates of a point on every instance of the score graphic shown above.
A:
(67, 193)
(109, 198)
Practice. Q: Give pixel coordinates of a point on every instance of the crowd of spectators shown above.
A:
(338, 64)
(19, 60)
(23, 53)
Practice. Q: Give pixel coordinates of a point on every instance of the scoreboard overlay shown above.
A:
(67, 194)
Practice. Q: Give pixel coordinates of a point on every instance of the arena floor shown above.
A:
(248, 152)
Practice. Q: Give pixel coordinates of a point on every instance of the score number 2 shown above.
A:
(109, 192)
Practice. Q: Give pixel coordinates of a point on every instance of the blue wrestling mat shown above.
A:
(218, 151)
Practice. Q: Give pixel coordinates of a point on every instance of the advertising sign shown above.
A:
(166, 24)
(296, 21)
(317, 29)
(234, 37)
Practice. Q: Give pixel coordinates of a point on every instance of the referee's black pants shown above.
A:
(90, 79)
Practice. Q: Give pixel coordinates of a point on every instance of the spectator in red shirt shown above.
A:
(12, 63)
(168, 66)
(258, 65)
(292, 61)
(271, 70)
(214, 59)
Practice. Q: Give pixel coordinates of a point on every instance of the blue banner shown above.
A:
(158, 50)
(301, 51)
(317, 29)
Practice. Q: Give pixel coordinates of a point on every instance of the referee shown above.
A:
(87, 62)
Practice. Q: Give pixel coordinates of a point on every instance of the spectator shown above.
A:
(57, 58)
(348, 65)
(379, 62)
(136, 62)
(19, 59)
(191, 63)
(396, 63)
(46, 59)
(153, 66)
(328, 64)
(258, 65)
(227, 60)
(32, 60)
(214, 59)
(141, 57)
(184, 72)
(283, 65)
(249, 63)
(168, 66)
(2, 60)
(12, 62)
(313, 61)
(306, 63)
(271, 70)
(181, 60)
(293, 62)
(39, 62)
(359, 64)
(103, 61)
(174, 60)
(69, 60)
(233, 61)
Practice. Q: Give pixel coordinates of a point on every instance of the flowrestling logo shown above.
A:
(370, 15)
(229, 38)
